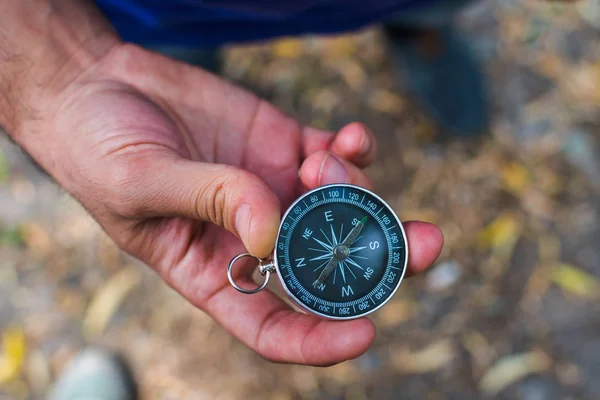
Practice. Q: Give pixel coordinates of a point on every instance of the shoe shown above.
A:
(440, 71)
(589, 11)
(95, 375)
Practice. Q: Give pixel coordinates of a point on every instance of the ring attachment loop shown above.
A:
(265, 269)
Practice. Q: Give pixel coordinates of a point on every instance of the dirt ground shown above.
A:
(511, 310)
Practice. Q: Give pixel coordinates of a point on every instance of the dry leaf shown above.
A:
(477, 345)
(395, 313)
(515, 178)
(501, 234)
(353, 75)
(338, 47)
(539, 280)
(36, 238)
(576, 281)
(38, 372)
(386, 102)
(582, 83)
(288, 48)
(431, 358)
(108, 299)
(13, 354)
(511, 369)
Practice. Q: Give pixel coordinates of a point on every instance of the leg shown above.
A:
(438, 67)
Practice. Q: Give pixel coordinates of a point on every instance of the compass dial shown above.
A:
(341, 252)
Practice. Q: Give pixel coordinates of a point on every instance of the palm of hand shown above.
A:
(167, 145)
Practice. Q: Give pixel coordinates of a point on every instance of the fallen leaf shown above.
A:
(287, 48)
(338, 47)
(395, 313)
(574, 280)
(107, 300)
(501, 234)
(515, 177)
(353, 75)
(37, 371)
(13, 354)
(428, 359)
(36, 238)
(478, 346)
(511, 369)
(386, 102)
(551, 65)
(582, 82)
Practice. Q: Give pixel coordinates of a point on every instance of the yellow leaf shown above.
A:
(13, 354)
(287, 48)
(510, 369)
(108, 299)
(338, 47)
(395, 313)
(36, 238)
(478, 346)
(515, 177)
(576, 281)
(431, 358)
(500, 233)
(386, 102)
(353, 74)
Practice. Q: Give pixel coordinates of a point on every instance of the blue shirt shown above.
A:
(217, 22)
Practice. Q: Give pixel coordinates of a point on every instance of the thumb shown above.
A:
(224, 195)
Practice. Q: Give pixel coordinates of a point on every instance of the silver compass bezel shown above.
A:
(297, 301)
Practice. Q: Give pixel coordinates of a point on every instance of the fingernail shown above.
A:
(365, 144)
(332, 171)
(242, 221)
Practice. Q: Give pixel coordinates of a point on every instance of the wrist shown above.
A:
(45, 45)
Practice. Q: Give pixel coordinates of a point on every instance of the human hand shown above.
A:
(183, 170)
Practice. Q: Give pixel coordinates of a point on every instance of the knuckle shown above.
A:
(215, 200)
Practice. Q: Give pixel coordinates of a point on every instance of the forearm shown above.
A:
(44, 46)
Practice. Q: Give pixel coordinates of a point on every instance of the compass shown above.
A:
(341, 252)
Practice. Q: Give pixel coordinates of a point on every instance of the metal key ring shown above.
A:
(265, 269)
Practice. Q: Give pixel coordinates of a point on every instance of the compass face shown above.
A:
(341, 252)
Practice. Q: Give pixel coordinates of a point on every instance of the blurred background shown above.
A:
(511, 310)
